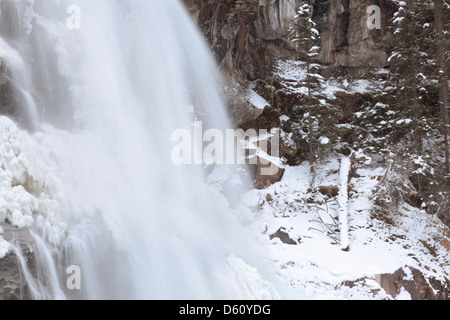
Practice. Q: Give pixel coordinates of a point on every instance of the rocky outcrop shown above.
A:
(347, 41)
(415, 283)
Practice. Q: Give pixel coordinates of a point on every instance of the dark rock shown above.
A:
(283, 236)
(330, 191)
(419, 287)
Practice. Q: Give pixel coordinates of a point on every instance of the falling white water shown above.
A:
(100, 104)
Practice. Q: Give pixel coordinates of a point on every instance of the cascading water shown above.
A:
(101, 192)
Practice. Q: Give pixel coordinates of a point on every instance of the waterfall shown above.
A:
(95, 105)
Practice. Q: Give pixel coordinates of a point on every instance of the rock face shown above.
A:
(246, 35)
(347, 40)
(12, 282)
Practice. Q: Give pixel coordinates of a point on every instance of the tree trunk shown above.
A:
(343, 202)
(310, 120)
(443, 79)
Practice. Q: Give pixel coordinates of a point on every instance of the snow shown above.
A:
(293, 73)
(287, 139)
(24, 184)
(5, 248)
(334, 86)
(223, 174)
(324, 140)
(403, 295)
(404, 121)
(256, 100)
(345, 126)
(284, 118)
(394, 55)
(252, 284)
(398, 20)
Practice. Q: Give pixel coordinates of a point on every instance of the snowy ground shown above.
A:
(313, 262)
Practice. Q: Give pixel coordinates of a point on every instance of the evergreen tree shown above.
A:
(440, 203)
(412, 62)
(410, 57)
(442, 42)
(307, 40)
(415, 118)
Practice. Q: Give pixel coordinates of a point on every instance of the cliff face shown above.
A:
(347, 42)
(247, 35)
